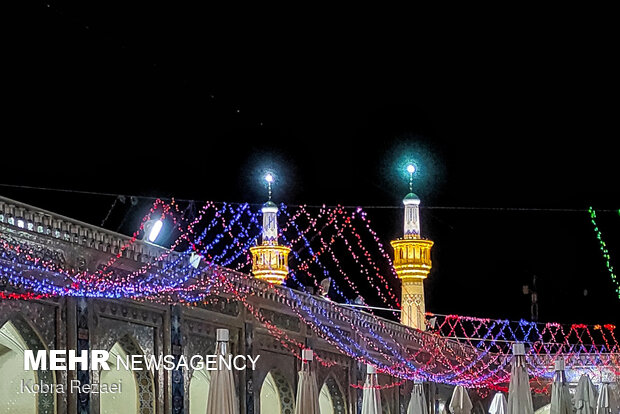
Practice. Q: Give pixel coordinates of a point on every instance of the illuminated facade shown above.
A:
(130, 327)
(151, 328)
(412, 262)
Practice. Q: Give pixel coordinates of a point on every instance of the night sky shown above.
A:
(170, 100)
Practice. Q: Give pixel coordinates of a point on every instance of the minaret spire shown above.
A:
(269, 259)
(270, 217)
(269, 179)
(412, 209)
(412, 261)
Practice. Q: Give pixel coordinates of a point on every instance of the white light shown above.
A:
(20, 223)
(269, 178)
(411, 168)
(194, 260)
(155, 230)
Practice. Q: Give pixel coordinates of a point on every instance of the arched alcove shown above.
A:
(13, 375)
(331, 399)
(137, 393)
(385, 405)
(326, 405)
(16, 336)
(479, 408)
(276, 395)
(199, 391)
(127, 399)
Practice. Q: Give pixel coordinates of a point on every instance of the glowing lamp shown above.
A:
(194, 260)
(411, 168)
(155, 230)
(269, 178)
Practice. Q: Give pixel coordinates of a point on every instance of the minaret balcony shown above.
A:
(412, 258)
(270, 262)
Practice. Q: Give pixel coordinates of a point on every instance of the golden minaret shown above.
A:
(269, 259)
(412, 262)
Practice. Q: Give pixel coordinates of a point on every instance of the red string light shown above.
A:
(459, 350)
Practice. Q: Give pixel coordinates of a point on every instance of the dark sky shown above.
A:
(171, 100)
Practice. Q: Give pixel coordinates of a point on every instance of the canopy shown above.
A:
(417, 403)
(222, 396)
(307, 391)
(560, 395)
(499, 403)
(460, 402)
(606, 402)
(519, 393)
(371, 399)
(585, 396)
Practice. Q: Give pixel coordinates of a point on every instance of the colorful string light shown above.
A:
(457, 350)
(604, 250)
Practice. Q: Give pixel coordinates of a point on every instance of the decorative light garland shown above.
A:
(379, 387)
(604, 250)
(114, 286)
(460, 350)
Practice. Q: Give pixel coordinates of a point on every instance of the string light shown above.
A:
(114, 286)
(604, 250)
(468, 351)
(379, 387)
(330, 219)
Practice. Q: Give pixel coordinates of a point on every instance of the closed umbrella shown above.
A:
(460, 402)
(519, 393)
(499, 403)
(560, 396)
(307, 391)
(585, 396)
(222, 396)
(417, 403)
(606, 403)
(371, 397)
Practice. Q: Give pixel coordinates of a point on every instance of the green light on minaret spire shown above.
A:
(269, 179)
(411, 171)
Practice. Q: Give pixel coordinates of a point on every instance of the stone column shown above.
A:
(176, 344)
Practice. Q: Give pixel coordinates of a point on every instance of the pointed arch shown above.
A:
(331, 397)
(138, 389)
(16, 336)
(276, 395)
(479, 408)
(385, 405)
(199, 385)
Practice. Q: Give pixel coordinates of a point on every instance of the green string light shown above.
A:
(603, 246)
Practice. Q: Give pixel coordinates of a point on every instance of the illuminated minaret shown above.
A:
(412, 262)
(270, 260)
